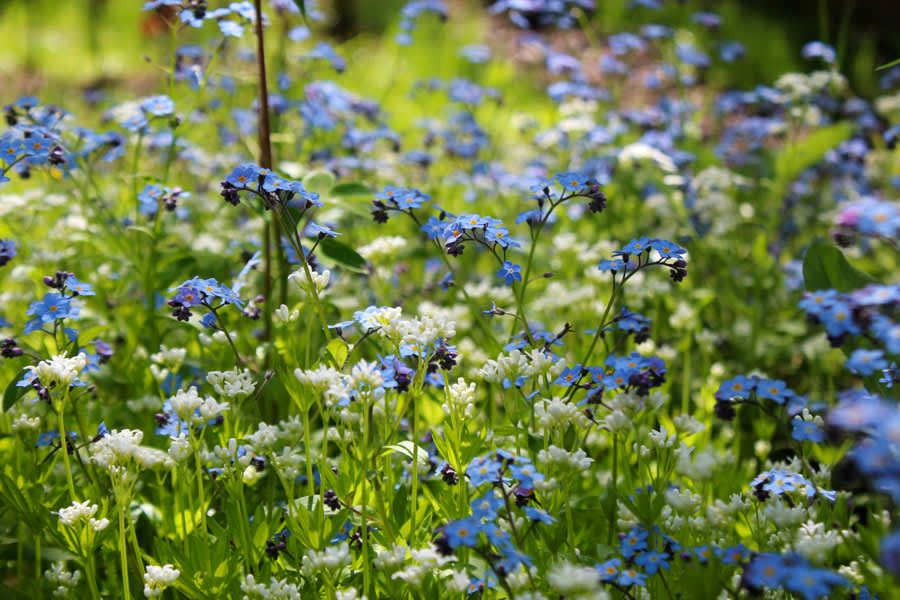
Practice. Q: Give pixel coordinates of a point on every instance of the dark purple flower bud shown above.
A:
(724, 410)
(448, 474)
(331, 500)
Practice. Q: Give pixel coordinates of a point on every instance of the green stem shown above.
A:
(686, 380)
(614, 503)
(89, 572)
(364, 524)
(64, 442)
(123, 554)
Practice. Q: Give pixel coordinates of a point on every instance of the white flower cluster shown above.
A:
(119, 448)
(558, 413)
(332, 558)
(389, 559)
(348, 594)
(231, 462)
(554, 456)
(800, 86)
(187, 402)
(320, 280)
(639, 151)
(79, 512)
(334, 385)
(420, 332)
(63, 580)
(157, 578)
(534, 364)
(169, 357)
(702, 465)
(283, 314)
(424, 560)
(461, 398)
(25, 423)
(382, 247)
(237, 383)
(625, 407)
(60, 369)
(576, 581)
(783, 516)
(278, 589)
(687, 424)
(179, 448)
(814, 542)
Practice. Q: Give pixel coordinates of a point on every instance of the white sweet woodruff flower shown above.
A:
(557, 413)
(157, 578)
(382, 247)
(560, 457)
(185, 402)
(323, 379)
(79, 511)
(211, 409)
(331, 558)
(778, 512)
(618, 422)
(64, 580)
(683, 501)
(814, 542)
(509, 366)
(458, 581)
(688, 425)
(169, 357)
(391, 558)
(25, 423)
(348, 594)
(419, 332)
(278, 589)
(265, 436)
(321, 280)
(119, 448)
(60, 370)
(576, 581)
(461, 397)
(283, 314)
(639, 151)
(179, 448)
(661, 438)
(237, 383)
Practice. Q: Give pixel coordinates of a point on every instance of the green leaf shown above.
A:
(824, 267)
(319, 182)
(13, 394)
(795, 158)
(342, 254)
(145, 230)
(893, 63)
(406, 448)
(338, 350)
(350, 188)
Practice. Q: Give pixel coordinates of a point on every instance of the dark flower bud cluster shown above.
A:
(270, 187)
(399, 199)
(637, 255)
(201, 292)
(58, 280)
(449, 475)
(331, 500)
(9, 348)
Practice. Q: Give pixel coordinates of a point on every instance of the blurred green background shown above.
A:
(47, 44)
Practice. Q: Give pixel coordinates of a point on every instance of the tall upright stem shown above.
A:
(265, 161)
(64, 442)
(123, 553)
